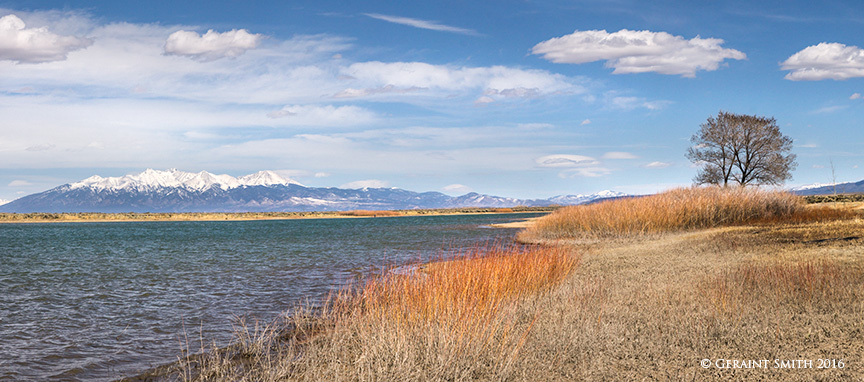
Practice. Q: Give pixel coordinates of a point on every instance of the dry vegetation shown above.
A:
(676, 210)
(786, 284)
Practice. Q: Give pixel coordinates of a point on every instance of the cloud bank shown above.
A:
(34, 45)
(638, 51)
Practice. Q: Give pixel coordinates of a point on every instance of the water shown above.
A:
(99, 301)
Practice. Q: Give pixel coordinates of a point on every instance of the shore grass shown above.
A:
(676, 210)
(452, 320)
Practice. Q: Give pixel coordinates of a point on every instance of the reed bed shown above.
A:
(449, 320)
(676, 210)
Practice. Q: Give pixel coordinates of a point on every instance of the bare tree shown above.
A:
(742, 149)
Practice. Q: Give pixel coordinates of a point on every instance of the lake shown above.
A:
(100, 301)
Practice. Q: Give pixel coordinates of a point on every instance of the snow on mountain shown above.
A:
(582, 199)
(265, 178)
(810, 186)
(264, 191)
(151, 179)
(4, 201)
(830, 188)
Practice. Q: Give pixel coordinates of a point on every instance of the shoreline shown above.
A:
(97, 217)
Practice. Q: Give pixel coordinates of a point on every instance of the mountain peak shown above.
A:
(265, 178)
(151, 179)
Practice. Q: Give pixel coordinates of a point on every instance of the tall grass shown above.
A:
(674, 210)
(449, 320)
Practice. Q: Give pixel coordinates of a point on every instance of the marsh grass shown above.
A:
(449, 320)
(676, 210)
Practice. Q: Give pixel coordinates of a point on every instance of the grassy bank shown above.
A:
(662, 286)
(676, 210)
(41, 217)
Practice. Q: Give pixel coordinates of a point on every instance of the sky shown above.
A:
(527, 99)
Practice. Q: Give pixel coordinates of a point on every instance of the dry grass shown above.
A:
(451, 320)
(676, 210)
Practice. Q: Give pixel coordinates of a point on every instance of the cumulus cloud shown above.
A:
(327, 115)
(422, 24)
(638, 51)
(855, 96)
(457, 188)
(211, 45)
(619, 155)
(565, 160)
(825, 61)
(370, 183)
(34, 45)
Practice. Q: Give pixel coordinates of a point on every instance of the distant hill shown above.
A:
(826, 189)
(264, 191)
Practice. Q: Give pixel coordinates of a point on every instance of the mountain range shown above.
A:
(263, 191)
(829, 188)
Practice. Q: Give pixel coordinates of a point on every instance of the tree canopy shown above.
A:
(742, 149)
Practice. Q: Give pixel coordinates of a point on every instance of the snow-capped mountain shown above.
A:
(264, 191)
(566, 200)
(154, 179)
(4, 201)
(830, 188)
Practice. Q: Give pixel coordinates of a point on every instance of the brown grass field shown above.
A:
(772, 284)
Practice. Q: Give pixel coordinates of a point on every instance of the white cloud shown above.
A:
(422, 24)
(585, 122)
(457, 189)
(483, 101)
(321, 174)
(492, 82)
(619, 155)
(370, 183)
(34, 45)
(638, 51)
(657, 164)
(19, 183)
(212, 45)
(327, 115)
(825, 61)
(855, 96)
(565, 160)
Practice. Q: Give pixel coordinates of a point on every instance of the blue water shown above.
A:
(99, 301)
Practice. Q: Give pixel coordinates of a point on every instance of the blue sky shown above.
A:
(515, 98)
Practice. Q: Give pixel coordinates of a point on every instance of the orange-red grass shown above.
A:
(678, 209)
(475, 285)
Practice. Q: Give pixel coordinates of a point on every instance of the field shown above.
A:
(754, 285)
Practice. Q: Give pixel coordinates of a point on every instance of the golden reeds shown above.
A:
(674, 210)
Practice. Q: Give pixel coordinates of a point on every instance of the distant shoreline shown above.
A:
(97, 217)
